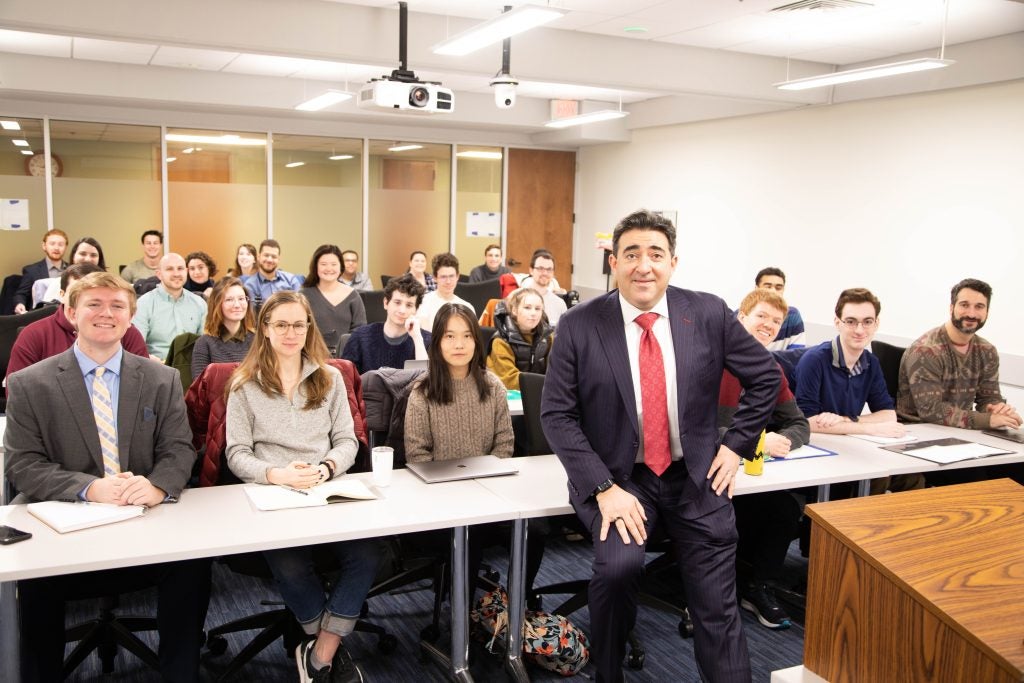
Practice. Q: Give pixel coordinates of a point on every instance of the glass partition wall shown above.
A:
(22, 183)
(225, 188)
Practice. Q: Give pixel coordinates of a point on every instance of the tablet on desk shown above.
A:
(477, 467)
(1009, 434)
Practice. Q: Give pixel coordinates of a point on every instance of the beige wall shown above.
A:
(478, 189)
(21, 247)
(216, 218)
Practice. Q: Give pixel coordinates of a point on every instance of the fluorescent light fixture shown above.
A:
(340, 157)
(866, 73)
(592, 117)
(188, 150)
(217, 139)
(478, 154)
(170, 159)
(520, 19)
(325, 100)
(294, 164)
(10, 125)
(404, 148)
(20, 143)
(28, 152)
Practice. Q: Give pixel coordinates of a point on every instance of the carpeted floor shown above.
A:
(669, 657)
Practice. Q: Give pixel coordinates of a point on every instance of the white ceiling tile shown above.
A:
(44, 45)
(321, 70)
(113, 51)
(190, 58)
(265, 65)
(841, 55)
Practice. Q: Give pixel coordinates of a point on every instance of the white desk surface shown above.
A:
(539, 490)
(220, 521)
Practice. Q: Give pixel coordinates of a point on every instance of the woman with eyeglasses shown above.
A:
(288, 423)
(228, 331)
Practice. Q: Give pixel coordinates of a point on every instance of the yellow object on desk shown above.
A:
(755, 466)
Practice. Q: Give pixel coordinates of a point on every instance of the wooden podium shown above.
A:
(918, 586)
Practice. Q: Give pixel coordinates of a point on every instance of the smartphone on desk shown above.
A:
(9, 535)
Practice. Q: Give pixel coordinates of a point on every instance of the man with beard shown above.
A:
(950, 375)
(268, 277)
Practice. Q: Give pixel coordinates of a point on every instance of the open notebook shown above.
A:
(65, 517)
(341, 490)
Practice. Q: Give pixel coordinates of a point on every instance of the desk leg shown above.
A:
(514, 667)
(10, 653)
(863, 487)
(459, 660)
(823, 493)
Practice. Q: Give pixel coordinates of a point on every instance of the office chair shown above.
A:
(478, 293)
(384, 280)
(889, 356)
(7, 292)
(373, 302)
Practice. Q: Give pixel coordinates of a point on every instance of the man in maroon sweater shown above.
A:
(54, 334)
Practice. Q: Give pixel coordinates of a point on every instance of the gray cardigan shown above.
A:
(271, 431)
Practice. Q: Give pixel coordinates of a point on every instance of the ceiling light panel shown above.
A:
(113, 51)
(190, 58)
(520, 19)
(42, 44)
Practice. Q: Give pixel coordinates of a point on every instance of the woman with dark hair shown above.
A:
(245, 261)
(228, 331)
(85, 250)
(458, 409)
(201, 269)
(337, 308)
(418, 269)
(288, 423)
(523, 338)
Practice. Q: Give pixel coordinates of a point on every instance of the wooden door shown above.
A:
(541, 189)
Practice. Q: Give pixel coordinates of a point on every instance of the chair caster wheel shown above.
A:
(635, 660)
(430, 633)
(492, 576)
(387, 644)
(217, 645)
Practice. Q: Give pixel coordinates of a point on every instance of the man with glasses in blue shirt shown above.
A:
(836, 378)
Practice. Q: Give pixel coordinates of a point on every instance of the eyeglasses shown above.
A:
(853, 323)
(447, 277)
(281, 327)
(236, 300)
(542, 269)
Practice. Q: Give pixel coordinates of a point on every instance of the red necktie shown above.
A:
(654, 398)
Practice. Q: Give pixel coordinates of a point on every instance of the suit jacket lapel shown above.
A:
(69, 378)
(611, 332)
(128, 405)
(681, 322)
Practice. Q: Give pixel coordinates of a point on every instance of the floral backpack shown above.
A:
(550, 641)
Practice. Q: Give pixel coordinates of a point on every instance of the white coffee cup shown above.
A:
(383, 459)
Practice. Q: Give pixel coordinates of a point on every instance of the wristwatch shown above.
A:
(602, 487)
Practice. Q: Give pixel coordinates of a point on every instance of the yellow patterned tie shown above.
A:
(103, 411)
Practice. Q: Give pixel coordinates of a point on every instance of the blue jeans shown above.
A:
(303, 589)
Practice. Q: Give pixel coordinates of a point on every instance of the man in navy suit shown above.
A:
(630, 405)
(55, 242)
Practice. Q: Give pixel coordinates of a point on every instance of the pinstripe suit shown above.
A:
(590, 420)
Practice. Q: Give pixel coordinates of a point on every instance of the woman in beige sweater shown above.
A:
(458, 409)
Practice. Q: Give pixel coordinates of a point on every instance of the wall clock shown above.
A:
(35, 165)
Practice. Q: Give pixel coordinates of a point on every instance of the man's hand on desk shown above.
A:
(621, 508)
(826, 420)
(298, 475)
(893, 430)
(125, 489)
(1003, 415)
(776, 445)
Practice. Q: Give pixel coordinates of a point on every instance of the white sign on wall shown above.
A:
(483, 224)
(13, 214)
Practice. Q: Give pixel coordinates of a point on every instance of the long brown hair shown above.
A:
(260, 364)
(214, 325)
(437, 385)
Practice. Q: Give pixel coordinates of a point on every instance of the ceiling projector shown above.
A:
(415, 96)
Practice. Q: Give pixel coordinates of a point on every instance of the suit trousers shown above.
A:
(183, 597)
(705, 549)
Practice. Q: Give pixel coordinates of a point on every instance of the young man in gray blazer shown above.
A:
(97, 424)
(630, 406)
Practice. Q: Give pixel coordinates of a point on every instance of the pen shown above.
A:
(289, 488)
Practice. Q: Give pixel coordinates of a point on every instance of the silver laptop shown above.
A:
(464, 468)
(1009, 434)
(413, 364)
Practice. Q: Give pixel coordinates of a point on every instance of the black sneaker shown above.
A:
(343, 669)
(303, 662)
(759, 599)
